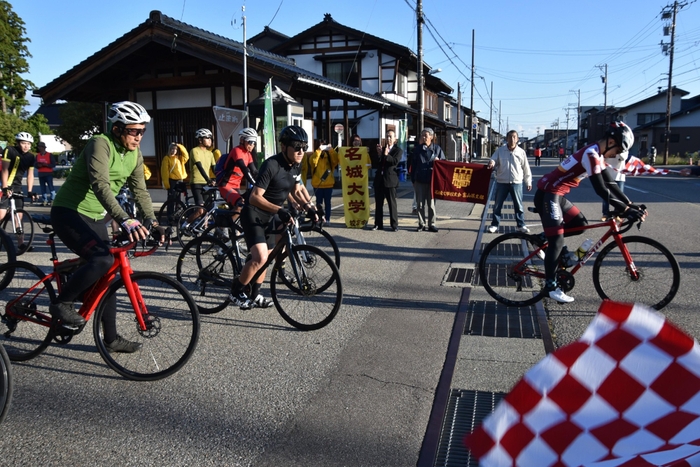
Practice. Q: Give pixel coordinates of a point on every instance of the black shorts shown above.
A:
(19, 202)
(257, 225)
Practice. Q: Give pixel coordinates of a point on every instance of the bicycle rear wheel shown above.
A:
(192, 223)
(512, 271)
(316, 236)
(172, 326)
(178, 208)
(307, 291)
(658, 273)
(6, 386)
(23, 229)
(7, 255)
(25, 322)
(206, 267)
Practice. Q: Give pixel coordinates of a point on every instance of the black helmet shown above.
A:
(293, 133)
(622, 134)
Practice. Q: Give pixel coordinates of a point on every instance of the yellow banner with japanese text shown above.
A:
(355, 164)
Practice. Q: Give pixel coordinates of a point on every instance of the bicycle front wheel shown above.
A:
(316, 236)
(6, 386)
(511, 269)
(7, 255)
(655, 281)
(305, 287)
(171, 326)
(23, 229)
(25, 324)
(206, 267)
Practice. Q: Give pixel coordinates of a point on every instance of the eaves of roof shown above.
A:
(183, 32)
(329, 22)
(663, 120)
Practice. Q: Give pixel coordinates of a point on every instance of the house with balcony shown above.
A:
(374, 66)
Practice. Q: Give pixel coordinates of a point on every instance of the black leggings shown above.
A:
(87, 238)
(556, 212)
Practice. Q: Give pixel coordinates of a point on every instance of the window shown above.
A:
(644, 118)
(431, 102)
(401, 84)
(448, 113)
(343, 72)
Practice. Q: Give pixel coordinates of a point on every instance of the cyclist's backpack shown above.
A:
(221, 172)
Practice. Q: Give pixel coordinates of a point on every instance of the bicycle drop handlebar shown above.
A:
(628, 221)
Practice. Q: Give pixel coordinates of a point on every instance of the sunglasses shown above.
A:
(300, 147)
(134, 131)
(251, 142)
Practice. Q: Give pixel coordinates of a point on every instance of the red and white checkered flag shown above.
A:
(635, 166)
(627, 393)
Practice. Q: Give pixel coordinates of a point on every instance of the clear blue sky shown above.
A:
(533, 52)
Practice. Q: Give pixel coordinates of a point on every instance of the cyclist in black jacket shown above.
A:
(279, 180)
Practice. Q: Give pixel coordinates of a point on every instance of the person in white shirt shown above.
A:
(512, 171)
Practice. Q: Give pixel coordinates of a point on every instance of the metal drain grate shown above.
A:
(460, 275)
(465, 411)
(493, 319)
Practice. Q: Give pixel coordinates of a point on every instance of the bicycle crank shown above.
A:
(565, 280)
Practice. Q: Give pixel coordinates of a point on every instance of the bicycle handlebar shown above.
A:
(628, 221)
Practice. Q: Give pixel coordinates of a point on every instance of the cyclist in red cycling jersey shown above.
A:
(556, 212)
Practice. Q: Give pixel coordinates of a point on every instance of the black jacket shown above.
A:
(386, 174)
(421, 162)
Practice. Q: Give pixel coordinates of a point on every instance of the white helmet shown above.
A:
(248, 134)
(203, 133)
(24, 136)
(128, 113)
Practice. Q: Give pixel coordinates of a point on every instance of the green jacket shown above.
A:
(98, 174)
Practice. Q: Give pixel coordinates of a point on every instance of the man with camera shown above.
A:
(321, 165)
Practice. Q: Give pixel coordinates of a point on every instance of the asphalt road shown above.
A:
(258, 392)
(674, 220)
(356, 393)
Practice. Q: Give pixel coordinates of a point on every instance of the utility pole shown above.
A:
(245, 71)
(605, 92)
(491, 119)
(670, 13)
(578, 119)
(421, 109)
(472, 131)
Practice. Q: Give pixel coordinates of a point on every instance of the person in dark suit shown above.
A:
(386, 180)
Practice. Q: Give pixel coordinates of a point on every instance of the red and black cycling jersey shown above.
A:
(585, 162)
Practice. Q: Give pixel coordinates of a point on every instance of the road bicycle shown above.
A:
(195, 220)
(177, 203)
(6, 385)
(213, 294)
(152, 309)
(7, 255)
(18, 223)
(628, 269)
(305, 283)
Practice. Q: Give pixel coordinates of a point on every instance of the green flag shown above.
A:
(402, 135)
(269, 123)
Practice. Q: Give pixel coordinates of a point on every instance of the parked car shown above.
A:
(65, 158)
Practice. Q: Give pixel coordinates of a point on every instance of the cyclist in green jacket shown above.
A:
(88, 194)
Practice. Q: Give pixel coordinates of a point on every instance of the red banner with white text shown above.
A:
(459, 181)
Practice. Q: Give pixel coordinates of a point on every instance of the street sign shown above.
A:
(338, 128)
